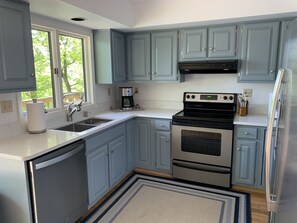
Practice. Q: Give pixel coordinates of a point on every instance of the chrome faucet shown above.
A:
(73, 108)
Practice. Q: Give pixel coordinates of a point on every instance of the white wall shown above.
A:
(165, 12)
(171, 95)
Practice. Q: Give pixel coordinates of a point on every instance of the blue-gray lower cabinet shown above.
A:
(106, 160)
(245, 161)
(163, 150)
(153, 144)
(248, 154)
(143, 143)
(130, 125)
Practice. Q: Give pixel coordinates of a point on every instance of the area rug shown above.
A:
(146, 199)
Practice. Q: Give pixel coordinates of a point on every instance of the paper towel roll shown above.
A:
(36, 119)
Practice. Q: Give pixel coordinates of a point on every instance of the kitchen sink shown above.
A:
(94, 121)
(84, 125)
(76, 127)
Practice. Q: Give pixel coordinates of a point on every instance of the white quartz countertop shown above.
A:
(251, 119)
(29, 146)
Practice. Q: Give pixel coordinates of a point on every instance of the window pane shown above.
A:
(42, 62)
(72, 66)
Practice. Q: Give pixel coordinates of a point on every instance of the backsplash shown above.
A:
(170, 95)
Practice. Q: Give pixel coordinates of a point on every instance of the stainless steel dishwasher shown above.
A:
(59, 184)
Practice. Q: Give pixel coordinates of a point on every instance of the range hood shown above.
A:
(208, 67)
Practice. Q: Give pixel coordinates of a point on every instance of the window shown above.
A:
(59, 60)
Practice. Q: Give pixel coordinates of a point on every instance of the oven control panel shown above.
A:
(209, 97)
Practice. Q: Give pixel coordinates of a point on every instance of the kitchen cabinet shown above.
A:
(248, 153)
(153, 144)
(152, 56)
(259, 45)
(106, 161)
(16, 52)
(143, 143)
(213, 42)
(130, 129)
(109, 55)
(162, 144)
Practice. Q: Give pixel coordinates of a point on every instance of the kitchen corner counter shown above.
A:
(251, 119)
(29, 146)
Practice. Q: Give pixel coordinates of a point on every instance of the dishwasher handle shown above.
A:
(58, 159)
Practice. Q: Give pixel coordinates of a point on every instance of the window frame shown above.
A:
(55, 62)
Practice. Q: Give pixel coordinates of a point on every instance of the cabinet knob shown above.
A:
(163, 126)
(32, 75)
(167, 140)
(203, 49)
(211, 48)
(246, 133)
(272, 71)
(238, 149)
(148, 73)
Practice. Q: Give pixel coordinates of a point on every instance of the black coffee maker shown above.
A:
(127, 98)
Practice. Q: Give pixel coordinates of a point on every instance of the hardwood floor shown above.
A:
(257, 197)
(258, 203)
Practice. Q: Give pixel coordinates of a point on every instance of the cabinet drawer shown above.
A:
(248, 133)
(162, 124)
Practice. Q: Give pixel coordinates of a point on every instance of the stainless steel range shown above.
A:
(202, 138)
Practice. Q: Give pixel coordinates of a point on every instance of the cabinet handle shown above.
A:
(246, 133)
(203, 49)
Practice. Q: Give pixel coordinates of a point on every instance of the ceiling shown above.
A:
(149, 14)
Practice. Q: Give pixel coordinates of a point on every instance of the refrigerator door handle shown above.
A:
(272, 205)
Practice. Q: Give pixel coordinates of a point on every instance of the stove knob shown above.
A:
(193, 96)
(231, 98)
(188, 96)
(225, 97)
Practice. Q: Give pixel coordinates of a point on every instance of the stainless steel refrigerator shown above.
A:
(281, 138)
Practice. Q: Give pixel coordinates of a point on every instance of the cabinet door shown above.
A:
(117, 158)
(143, 143)
(118, 56)
(130, 145)
(259, 52)
(97, 165)
(245, 161)
(164, 56)
(193, 44)
(162, 146)
(138, 53)
(16, 54)
(222, 41)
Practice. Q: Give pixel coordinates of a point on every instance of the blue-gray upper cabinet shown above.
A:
(138, 57)
(259, 52)
(213, 42)
(152, 56)
(164, 56)
(109, 55)
(283, 37)
(16, 52)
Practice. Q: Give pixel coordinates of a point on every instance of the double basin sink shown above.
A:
(83, 125)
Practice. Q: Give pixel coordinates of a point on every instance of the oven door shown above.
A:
(202, 145)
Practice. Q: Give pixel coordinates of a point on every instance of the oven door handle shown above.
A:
(202, 167)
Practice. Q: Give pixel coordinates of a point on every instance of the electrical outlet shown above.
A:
(6, 106)
(136, 91)
(248, 92)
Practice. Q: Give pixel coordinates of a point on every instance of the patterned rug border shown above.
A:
(177, 183)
